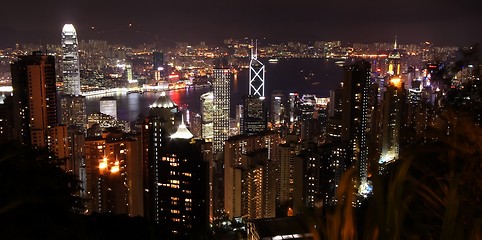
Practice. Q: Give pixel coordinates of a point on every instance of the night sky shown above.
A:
(168, 21)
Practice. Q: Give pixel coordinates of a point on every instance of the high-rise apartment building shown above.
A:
(113, 165)
(182, 203)
(249, 175)
(164, 115)
(393, 101)
(34, 100)
(356, 111)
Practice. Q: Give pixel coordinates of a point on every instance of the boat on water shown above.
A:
(273, 60)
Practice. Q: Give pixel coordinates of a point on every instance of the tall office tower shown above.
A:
(249, 175)
(72, 104)
(113, 165)
(182, 184)
(108, 105)
(256, 74)
(221, 105)
(207, 112)
(70, 61)
(163, 117)
(394, 60)
(392, 105)
(34, 99)
(355, 118)
(254, 116)
(277, 109)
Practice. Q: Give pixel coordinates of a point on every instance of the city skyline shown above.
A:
(167, 23)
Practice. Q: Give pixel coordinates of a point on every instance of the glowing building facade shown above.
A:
(207, 111)
(256, 75)
(221, 105)
(394, 60)
(70, 61)
(393, 100)
(108, 105)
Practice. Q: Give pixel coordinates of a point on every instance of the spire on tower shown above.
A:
(254, 54)
(395, 44)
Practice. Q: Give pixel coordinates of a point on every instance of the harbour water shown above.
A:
(313, 76)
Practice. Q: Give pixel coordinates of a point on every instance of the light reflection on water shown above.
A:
(315, 76)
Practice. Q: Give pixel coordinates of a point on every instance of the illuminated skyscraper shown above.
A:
(70, 60)
(256, 74)
(72, 104)
(394, 60)
(221, 106)
(207, 111)
(355, 117)
(393, 99)
(221, 100)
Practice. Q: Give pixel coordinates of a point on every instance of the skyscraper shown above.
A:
(394, 60)
(163, 115)
(256, 74)
(207, 111)
(249, 175)
(72, 104)
(34, 99)
(70, 60)
(355, 118)
(254, 117)
(182, 186)
(221, 100)
(391, 120)
(221, 106)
